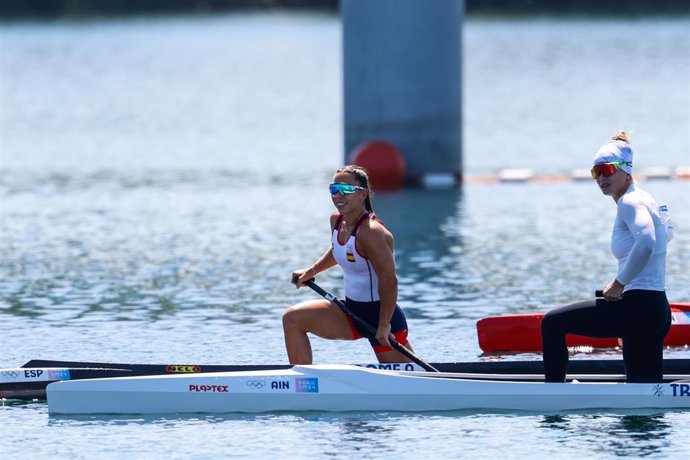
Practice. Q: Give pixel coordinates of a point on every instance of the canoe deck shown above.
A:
(30, 380)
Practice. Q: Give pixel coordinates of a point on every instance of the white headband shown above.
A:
(616, 151)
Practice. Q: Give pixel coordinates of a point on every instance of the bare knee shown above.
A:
(291, 317)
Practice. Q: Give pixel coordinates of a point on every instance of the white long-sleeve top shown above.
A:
(638, 242)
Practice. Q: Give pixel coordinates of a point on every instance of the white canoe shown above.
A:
(349, 388)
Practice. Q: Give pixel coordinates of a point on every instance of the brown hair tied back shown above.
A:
(621, 136)
(362, 178)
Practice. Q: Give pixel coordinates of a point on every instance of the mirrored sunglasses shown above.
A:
(343, 189)
(606, 169)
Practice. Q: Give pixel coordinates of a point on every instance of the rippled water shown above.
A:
(161, 179)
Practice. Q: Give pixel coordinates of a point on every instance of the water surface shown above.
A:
(160, 179)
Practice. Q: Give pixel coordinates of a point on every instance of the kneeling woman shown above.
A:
(363, 248)
(634, 307)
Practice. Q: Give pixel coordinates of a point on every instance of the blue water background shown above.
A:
(161, 178)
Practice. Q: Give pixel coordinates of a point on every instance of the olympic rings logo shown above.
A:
(11, 374)
(256, 384)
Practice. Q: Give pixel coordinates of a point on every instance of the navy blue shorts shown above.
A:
(369, 312)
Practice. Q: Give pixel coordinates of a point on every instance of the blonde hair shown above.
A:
(624, 137)
(621, 136)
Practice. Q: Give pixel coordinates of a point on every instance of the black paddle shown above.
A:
(394, 343)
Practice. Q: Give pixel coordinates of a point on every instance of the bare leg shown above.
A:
(319, 317)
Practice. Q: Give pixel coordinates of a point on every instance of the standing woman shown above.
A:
(363, 248)
(634, 307)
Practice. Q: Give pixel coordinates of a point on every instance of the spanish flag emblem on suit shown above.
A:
(350, 257)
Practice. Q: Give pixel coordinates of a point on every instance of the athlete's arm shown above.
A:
(324, 262)
(639, 221)
(376, 243)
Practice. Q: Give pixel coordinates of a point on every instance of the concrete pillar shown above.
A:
(402, 81)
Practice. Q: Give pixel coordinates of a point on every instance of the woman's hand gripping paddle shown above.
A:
(394, 343)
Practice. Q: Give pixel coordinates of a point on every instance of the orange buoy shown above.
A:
(384, 163)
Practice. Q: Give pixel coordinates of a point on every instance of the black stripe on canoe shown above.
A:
(593, 366)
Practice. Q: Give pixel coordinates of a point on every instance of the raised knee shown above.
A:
(548, 322)
(290, 315)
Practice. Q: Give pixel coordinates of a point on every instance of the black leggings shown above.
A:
(642, 319)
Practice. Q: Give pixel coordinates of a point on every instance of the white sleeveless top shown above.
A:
(361, 281)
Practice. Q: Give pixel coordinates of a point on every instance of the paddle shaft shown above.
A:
(394, 343)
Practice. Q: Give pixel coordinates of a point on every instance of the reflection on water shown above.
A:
(623, 436)
(640, 435)
(379, 434)
(426, 225)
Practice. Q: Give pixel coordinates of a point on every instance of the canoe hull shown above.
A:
(522, 332)
(347, 388)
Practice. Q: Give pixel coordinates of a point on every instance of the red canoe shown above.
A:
(523, 332)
